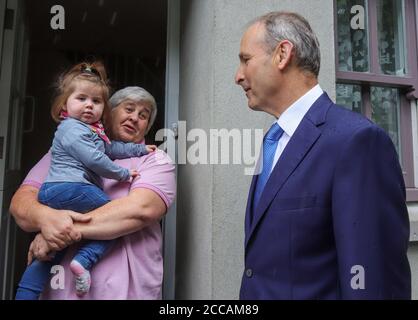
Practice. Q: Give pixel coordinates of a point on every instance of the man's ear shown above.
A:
(283, 53)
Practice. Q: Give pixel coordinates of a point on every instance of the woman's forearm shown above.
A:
(26, 209)
(123, 216)
(56, 225)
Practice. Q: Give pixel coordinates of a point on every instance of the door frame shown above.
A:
(172, 93)
(13, 68)
(2, 16)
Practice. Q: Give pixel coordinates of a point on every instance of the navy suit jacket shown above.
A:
(332, 221)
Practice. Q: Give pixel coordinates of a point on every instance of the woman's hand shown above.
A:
(39, 249)
(58, 228)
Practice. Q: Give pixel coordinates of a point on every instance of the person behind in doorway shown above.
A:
(326, 217)
(135, 209)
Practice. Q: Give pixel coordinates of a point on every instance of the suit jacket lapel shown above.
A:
(299, 145)
(248, 212)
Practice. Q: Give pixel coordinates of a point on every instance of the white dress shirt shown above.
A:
(292, 117)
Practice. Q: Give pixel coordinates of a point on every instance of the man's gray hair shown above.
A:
(135, 94)
(282, 25)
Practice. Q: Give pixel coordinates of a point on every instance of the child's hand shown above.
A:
(151, 148)
(134, 173)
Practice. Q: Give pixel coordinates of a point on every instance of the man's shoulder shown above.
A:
(348, 120)
(346, 124)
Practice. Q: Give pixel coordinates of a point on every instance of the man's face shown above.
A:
(256, 74)
(130, 121)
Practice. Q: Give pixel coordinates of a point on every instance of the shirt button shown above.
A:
(249, 273)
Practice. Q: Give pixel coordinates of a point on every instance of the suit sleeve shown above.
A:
(370, 219)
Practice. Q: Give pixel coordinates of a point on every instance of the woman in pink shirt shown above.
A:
(133, 268)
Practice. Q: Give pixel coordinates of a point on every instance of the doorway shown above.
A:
(130, 37)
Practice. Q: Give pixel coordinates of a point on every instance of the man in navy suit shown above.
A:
(326, 218)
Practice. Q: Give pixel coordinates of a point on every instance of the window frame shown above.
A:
(374, 77)
(406, 84)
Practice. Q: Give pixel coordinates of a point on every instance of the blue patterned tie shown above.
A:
(270, 142)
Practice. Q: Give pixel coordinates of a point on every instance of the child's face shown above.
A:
(85, 103)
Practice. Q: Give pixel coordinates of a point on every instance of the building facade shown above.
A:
(369, 64)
